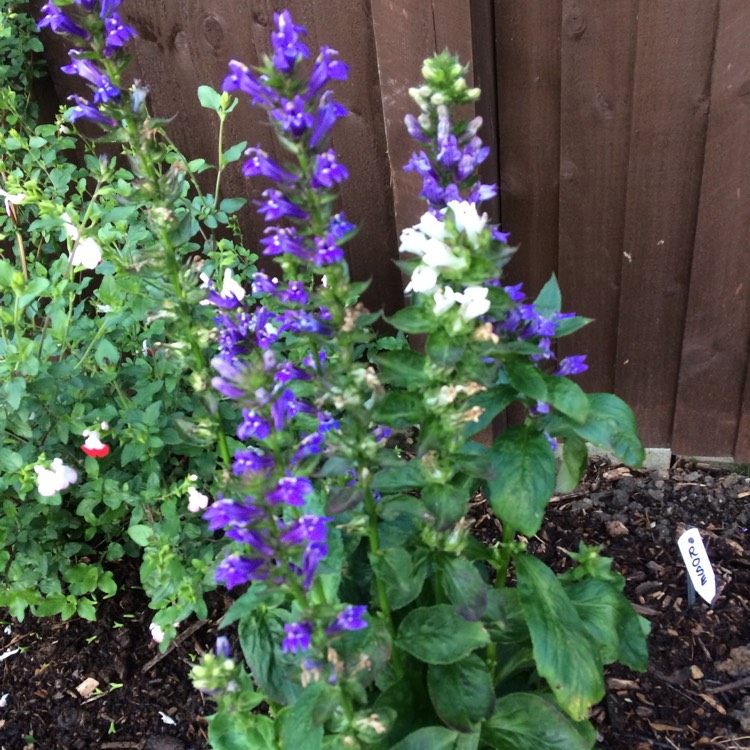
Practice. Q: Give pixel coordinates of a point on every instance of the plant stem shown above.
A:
(502, 570)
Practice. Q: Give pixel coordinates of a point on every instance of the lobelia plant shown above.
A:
(370, 617)
(106, 419)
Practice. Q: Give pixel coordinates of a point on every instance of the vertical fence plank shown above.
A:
(670, 112)
(528, 100)
(595, 112)
(717, 333)
(406, 32)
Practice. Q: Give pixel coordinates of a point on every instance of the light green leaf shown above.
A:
(241, 730)
(141, 534)
(106, 354)
(562, 646)
(522, 478)
(32, 290)
(209, 98)
(549, 299)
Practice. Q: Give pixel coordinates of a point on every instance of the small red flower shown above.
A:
(93, 446)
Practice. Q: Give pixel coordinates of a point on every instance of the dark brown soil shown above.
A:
(692, 695)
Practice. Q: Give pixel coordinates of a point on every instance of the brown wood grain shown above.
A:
(717, 330)
(595, 114)
(528, 101)
(670, 114)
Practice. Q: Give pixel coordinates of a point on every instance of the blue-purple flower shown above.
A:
(351, 617)
(287, 47)
(59, 22)
(298, 635)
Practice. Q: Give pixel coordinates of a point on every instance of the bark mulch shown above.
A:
(695, 694)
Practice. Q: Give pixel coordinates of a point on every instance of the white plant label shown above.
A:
(698, 565)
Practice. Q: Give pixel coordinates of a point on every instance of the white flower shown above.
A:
(12, 199)
(230, 286)
(431, 226)
(439, 255)
(196, 500)
(70, 229)
(474, 302)
(156, 632)
(86, 253)
(467, 219)
(445, 299)
(413, 241)
(55, 479)
(423, 279)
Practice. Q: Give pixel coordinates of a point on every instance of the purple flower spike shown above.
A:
(572, 365)
(307, 529)
(292, 116)
(241, 78)
(85, 110)
(276, 205)
(326, 67)
(298, 636)
(59, 22)
(350, 618)
(118, 34)
(287, 48)
(106, 91)
(235, 570)
(260, 163)
(227, 512)
(283, 241)
(253, 426)
(251, 462)
(109, 7)
(221, 648)
(328, 112)
(415, 129)
(291, 491)
(328, 171)
(311, 558)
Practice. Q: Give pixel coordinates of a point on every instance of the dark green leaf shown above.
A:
(611, 425)
(258, 594)
(403, 368)
(446, 503)
(568, 397)
(526, 379)
(567, 326)
(549, 299)
(462, 693)
(403, 579)
(525, 721)
(301, 724)
(106, 354)
(444, 349)
(409, 476)
(562, 647)
(493, 401)
(464, 586)
(412, 319)
(399, 408)
(429, 738)
(522, 478)
(437, 635)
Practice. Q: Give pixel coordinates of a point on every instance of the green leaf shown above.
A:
(566, 326)
(527, 379)
(399, 409)
(568, 397)
(258, 594)
(574, 460)
(301, 724)
(525, 721)
(404, 368)
(611, 425)
(444, 349)
(231, 205)
(141, 534)
(241, 730)
(522, 478)
(86, 609)
(429, 738)
(10, 461)
(447, 503)
(611, 622)
(14, 391)
(276, 673)
(209, 98)
(32, 290)
(462, 693)
(549, 299)
(409, 476)
(413, 319)
(232, 154)
(493, 401)
(403, 579)
(437, 635)
(562, 646)
(464, 587)
(106, 354)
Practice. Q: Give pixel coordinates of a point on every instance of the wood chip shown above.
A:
(696, 672)
(664, 727)
(616, 528)
(87, 687)
(618, 473)
(713, 703)
(614, 683)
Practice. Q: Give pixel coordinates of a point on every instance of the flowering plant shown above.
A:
(368, 614)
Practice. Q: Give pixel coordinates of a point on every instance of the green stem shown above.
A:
(502, 570)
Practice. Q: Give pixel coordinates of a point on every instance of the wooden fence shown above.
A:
(620, 134)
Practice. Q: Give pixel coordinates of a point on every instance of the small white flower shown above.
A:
(230, 286)
(104, 425)
(4, 700)
(70, 229)
(86, 253)
(103, 308)
(439, 255)
(166, 719)
(12, 199)
(197, 501)
(467, 219)
(413, 241)
(474, 302)
(431, 226)
(445, 299)
(55, 479)
(156, 632)
(423, 280)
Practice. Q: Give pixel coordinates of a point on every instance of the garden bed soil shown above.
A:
(695, 693)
